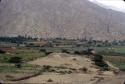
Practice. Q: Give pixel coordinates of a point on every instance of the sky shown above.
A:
(117, 5)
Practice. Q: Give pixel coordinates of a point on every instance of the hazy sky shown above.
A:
(117, 5)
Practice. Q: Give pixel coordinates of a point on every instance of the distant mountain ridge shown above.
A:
(60, 18)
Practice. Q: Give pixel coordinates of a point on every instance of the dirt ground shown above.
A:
(66, 60)
(70, 61)
(76, 62)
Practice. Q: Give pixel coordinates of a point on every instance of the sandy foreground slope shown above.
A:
(61, 59)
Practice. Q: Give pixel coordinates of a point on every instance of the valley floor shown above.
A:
(61, 63)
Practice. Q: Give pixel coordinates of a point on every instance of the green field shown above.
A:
(25, 54)
(26, 68)
(118, 61)
(115, 55)
(111, 51)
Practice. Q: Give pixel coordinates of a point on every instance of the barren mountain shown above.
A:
(60, 18)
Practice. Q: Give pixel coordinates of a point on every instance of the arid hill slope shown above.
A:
(60, 18)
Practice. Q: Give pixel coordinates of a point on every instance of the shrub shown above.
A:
(47, 53)
(52, 70)
(88, 51)
(102, 65)
(46, 67)
(17, 61)
(42, 50)
(84, 52)
(69, 72)
(65, 51)
(98, 59)
(74, 59)
(2, 51)
(77, 52)
(49, 80)
(84, 69)
(62, 72)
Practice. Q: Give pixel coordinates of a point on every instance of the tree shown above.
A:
(48, 52)
(2, 51)
(89, 51)
(77, 52)
(17, 61)
(98, 59)
(43, 50)
(65, 51)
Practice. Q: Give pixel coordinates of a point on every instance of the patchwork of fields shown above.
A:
(33, 57)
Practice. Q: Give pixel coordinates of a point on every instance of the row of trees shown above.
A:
(18, 39)
(22, 39)
(101, 43)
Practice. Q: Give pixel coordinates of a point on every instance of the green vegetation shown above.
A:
(2, 52)
(25, 54)
(26, 68)
(121, 65)
(109, 50)
(56, 69)
(46, 52)
(65, 51)
(12, 73)
(118, 61)
(17, 61)
(46, 68)
(99, 61)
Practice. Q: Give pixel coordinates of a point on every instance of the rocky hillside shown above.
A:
(60, 18)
